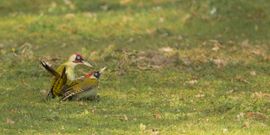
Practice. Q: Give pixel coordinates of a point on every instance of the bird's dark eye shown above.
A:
(97, 74)
(78, 58)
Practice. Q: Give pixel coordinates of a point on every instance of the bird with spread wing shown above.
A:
(64, 74)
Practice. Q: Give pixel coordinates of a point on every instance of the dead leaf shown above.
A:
(166, 49)
(220, 63)
(180, 37)
(217, 45)
(240, 116)
(213, 11)
(93, 110)
(69, 4)
(246, 125)
(70, 16)
(151, 31)
(26, 51)
(261, 95)
(124, 118)
(161, 19)
(224, 130)
(90, 14)
(104, 7)
(43, 92)
(215, 48)
(192, 82)
(258, 52)
(199, 95)
(230, 91)
(245, 43)
(85, 112)
(125, 2)
(241, 79)
(186, 61)
(253, 73)
(10, 121)
(153, 59)
(157, 115)
(256, 115)
(185, 18)
(142, 127)
(50, 59)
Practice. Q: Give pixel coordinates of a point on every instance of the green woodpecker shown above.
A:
(57, 82)
(84, 87)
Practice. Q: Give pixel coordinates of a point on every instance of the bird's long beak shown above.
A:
(86, 64)
(102, 70)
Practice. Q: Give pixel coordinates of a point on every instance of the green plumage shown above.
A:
(64, 74)
(60, 78)
(81, 88)
(59, 82)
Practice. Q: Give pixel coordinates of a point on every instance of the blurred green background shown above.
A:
(174, 66)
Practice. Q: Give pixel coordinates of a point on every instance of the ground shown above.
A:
(174, 66)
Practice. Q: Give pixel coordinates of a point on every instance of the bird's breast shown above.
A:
(70, 74)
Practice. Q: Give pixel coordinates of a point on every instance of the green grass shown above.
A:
(213, 80)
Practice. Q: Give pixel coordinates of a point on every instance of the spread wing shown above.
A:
(58, 83)
(49, 68)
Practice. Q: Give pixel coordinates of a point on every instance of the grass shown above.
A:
(174, 66)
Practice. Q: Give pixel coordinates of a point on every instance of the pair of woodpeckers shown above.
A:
(67, 86)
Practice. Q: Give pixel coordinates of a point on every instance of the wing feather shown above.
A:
(85, 85)
(71, 93)
(58, 83)
(49, 68)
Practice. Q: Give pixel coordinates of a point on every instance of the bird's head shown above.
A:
(77, 59)
(95, 74)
